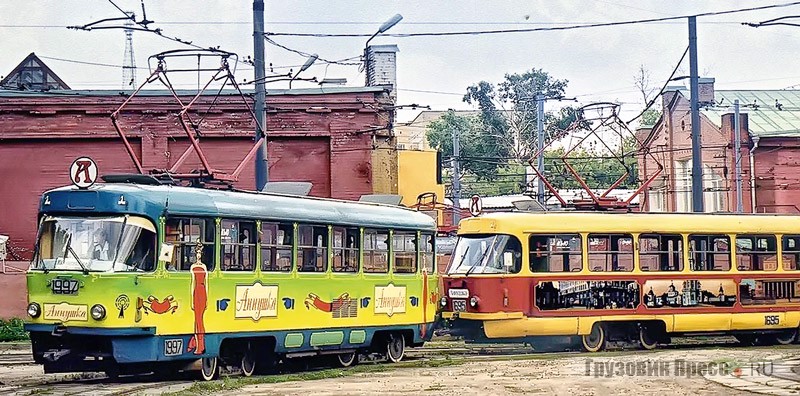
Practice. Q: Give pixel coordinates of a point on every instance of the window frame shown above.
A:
(427, 255)
(406, 237)
(274, 248)
(611, 253)
(693, 262)
(548, 252)
(661, 253)
(370, 240)
(756, 257)
(238, 247)
(319, 246)
(348, 255)
(183, 261)
(790, 253)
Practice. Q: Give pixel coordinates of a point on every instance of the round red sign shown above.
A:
(83, 172)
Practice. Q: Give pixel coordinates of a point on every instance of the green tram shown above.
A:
(129, 277)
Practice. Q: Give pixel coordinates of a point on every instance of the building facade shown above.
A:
(768, 157)
(339, 139)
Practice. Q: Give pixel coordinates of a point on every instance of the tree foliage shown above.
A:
(508, 112)
(497, 142)
(479, 154)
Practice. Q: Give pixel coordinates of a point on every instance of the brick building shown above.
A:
(337, 138)
(769, 156)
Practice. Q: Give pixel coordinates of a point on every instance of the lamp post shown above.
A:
(310, 61)
(386, 26)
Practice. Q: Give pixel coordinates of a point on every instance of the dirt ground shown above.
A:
(545, 374)
(563, 375)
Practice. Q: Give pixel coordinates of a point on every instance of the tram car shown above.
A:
(133, 276)
(562, 278)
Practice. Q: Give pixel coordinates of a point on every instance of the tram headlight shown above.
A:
(34, 310)
(98, 312)
(443, 302)
(473, 302)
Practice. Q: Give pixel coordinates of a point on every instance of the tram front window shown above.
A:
(105, 244)
(486, 254)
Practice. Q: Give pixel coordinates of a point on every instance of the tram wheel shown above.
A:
(596, 340)
(347, 359)
(395, 347)
(646, 338)
(248, 364)
(745, 339)
(209, 368)
(786, 337)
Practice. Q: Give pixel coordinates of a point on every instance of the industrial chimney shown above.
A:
(381, 67)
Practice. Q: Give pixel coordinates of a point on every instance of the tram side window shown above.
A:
(555, 253)
(661, 252)
(276, 246)
(427, 249)
(184, 234)
(312, 248)
(611, 252)
(710, 252)
(143, 254)
(756, 252)
(345, 249)
(404, 252)
(376, 251)
(238, 245)
(791, 252)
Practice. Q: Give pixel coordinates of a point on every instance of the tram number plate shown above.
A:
(64, 286)
(772, 320)
(459, 305)
(173, 347)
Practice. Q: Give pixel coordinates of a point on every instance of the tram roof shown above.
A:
(572, 222)
(189, 201)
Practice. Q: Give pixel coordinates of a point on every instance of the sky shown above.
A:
(600, 63)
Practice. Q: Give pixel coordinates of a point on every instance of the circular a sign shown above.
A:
(475, 205)
(83, 172)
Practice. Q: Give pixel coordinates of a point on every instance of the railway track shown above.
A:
(98, 384)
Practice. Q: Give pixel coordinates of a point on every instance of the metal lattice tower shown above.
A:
(129, 63)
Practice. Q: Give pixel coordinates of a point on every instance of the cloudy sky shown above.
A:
(600, 63)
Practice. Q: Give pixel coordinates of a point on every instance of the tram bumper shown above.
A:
(63, 349)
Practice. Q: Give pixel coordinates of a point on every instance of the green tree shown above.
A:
(479, 154)
(508, 112)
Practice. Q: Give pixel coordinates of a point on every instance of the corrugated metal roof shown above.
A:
(181, 92)
(771, 113)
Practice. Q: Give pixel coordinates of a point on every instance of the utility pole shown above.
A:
(697, 166)
(262, 168)
(456, 181)
(737, 139)
(539, 145)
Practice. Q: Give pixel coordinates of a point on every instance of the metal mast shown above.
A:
(129, 63)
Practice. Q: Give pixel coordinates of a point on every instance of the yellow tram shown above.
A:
(540, 277)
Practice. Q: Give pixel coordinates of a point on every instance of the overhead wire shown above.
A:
(539, 29)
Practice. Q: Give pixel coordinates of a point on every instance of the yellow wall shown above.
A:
(416, 174)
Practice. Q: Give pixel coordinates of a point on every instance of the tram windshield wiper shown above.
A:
(489, 247)
(461, 262)
(69, 249)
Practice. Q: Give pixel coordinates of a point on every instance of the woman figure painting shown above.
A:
(199, 300)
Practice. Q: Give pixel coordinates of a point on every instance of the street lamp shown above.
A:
(386, 26)
(310, 61)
